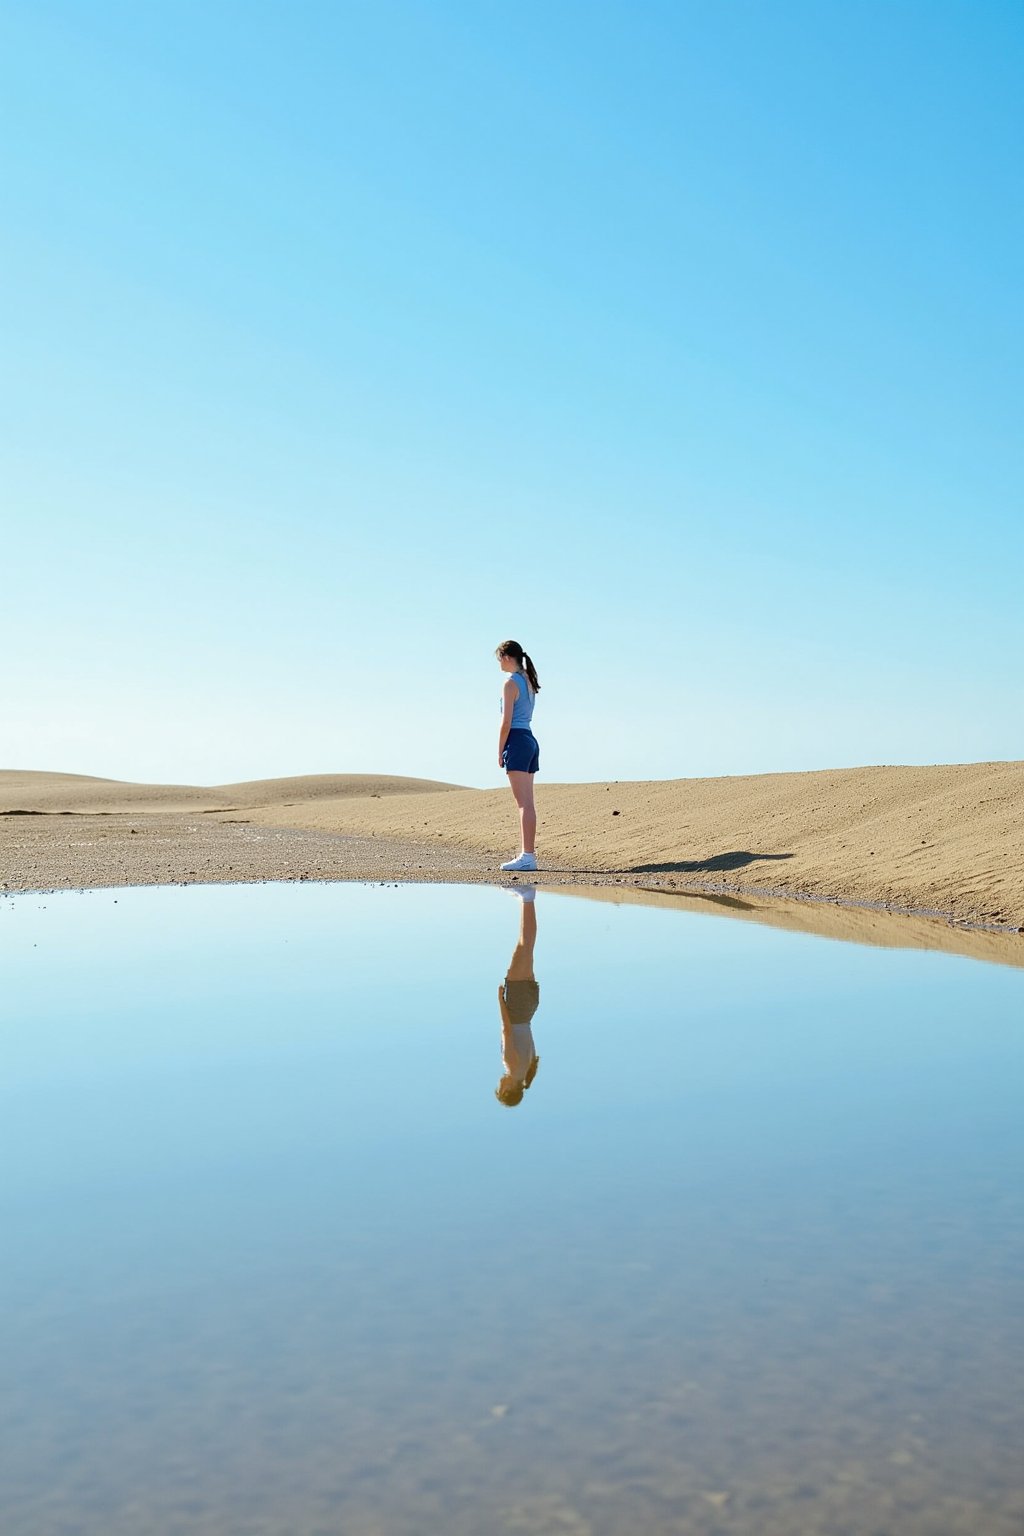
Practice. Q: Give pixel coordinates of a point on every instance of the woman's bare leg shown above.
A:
(521, 785)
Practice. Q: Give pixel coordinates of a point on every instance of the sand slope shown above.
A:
(947, 839)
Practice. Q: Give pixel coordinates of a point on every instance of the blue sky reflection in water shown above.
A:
(748, 1255)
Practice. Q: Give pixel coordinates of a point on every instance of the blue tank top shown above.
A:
(522, 714)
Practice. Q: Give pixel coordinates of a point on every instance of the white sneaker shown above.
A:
(524, 861)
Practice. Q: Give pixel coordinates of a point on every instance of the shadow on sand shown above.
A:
(717, 863)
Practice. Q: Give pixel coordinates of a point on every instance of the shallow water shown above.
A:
(747, 1257)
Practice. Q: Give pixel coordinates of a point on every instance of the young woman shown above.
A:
(518, 751)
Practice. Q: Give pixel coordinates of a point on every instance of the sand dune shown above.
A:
(942, 839)
(77, 794)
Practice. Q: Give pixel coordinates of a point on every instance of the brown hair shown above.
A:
(514, 649)
(510, 1092)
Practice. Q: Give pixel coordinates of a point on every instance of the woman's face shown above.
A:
(508, 664)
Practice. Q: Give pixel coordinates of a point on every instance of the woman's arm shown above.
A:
(509, 694)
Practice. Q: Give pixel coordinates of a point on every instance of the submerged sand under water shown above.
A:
(747, 1257)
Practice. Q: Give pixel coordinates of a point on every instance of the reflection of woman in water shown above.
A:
(518, 997)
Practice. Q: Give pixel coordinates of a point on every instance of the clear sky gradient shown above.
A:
(680, 341)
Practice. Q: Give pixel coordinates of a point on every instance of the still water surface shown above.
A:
(745, 1257)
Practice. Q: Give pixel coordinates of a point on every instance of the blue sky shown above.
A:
(681, 342)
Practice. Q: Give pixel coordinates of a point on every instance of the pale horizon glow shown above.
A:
(680, 343)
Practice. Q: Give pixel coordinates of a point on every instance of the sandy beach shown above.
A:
(945, 840)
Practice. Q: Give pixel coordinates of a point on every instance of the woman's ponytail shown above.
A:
(514, 649)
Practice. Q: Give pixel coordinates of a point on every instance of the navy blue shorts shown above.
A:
(522, 753)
